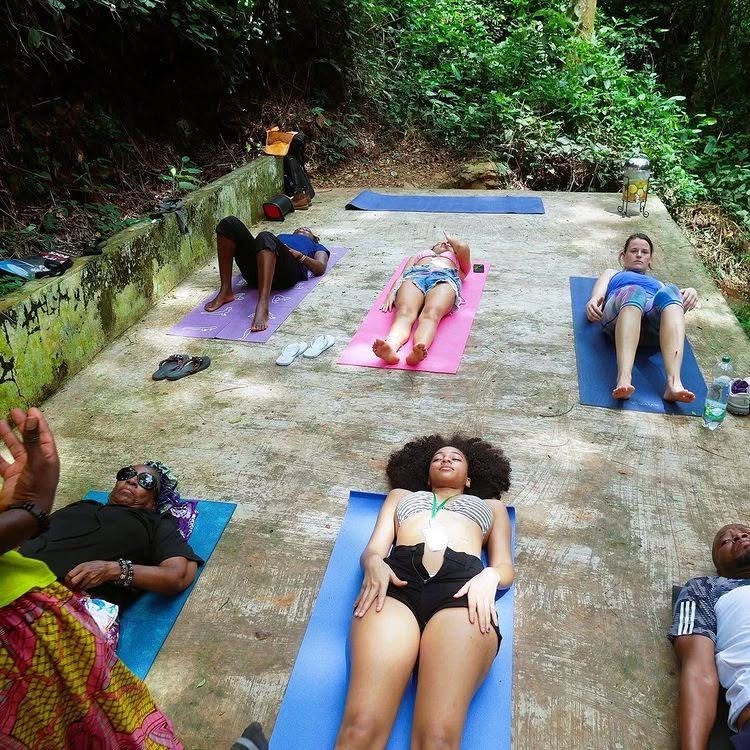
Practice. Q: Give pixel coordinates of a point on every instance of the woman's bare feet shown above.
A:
(417, 354)
(677, 392)
(623, 390)
(222, 298)
(260, 319)
(384, 350)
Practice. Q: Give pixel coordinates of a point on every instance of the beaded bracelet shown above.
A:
(127, 571)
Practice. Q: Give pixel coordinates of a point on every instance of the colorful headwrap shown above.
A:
(185, 512)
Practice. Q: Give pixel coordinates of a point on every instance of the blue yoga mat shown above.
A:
(313, 704)
(145, 625)
(447, 204)
(597, 366)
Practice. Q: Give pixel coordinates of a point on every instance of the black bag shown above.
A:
(296, 179)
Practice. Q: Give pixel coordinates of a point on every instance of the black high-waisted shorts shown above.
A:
(425, 595)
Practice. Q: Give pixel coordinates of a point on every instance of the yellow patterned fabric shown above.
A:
(19, 574)
(62, 687)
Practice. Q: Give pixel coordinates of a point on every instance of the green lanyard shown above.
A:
(437, 508)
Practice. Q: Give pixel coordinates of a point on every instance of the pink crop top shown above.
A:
(450, 255)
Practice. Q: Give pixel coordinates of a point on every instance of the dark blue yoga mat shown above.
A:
(313, 704)
(597, 366)
(447, 204)
(145, 625)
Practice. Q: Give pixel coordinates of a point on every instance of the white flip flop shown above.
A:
(319, 345)
(290, 353)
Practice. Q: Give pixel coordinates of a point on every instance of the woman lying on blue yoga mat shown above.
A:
(634, 308)
(431, 282)
(428, 598)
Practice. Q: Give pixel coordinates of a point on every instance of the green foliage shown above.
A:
(184, 177)
(511, 79)
(23, 241)
(743, 315)
(335, 141)
(723, 163)
(105, 219)
(53, 32)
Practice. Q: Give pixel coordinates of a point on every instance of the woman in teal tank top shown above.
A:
(635, 308)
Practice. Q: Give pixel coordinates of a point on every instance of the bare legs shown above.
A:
(266, 262)
(448, 678)
(266, 266)
(384, 648)
(225, 249)
(437, 303)
(627, 334)
(671, 342)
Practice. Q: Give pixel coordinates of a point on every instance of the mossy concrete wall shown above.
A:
(51, 328)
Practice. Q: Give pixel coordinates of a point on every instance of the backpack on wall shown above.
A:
(296, 179)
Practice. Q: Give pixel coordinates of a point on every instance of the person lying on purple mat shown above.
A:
(114, 551)
(426, 594)
(266, 262)
(635, 308)
(711, 636)
(429, 288)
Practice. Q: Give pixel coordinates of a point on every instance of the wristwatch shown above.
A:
(40, 516)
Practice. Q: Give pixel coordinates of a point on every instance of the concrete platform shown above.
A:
(613, 507)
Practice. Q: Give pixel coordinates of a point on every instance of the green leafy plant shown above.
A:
(336, 140)
(184, 177)
(108, 219)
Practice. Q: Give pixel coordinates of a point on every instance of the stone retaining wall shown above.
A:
(51, 328)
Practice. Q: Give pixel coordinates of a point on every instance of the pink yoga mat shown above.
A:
(450, 341)
(232, 321)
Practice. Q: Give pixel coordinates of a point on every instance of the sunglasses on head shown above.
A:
(145, 480)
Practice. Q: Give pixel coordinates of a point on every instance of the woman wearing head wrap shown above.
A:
(127, 545)
(61, 685)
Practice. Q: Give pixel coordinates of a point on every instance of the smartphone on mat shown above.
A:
(479, 268)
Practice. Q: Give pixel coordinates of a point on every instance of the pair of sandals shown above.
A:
(180, 366)
(292, 351)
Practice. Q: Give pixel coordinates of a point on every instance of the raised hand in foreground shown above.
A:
(33, 473)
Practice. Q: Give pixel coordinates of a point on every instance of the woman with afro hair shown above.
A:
(426, 596)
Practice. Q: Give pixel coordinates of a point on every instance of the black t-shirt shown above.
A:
(87, 530)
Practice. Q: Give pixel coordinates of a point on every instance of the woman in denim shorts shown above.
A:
(635, 308)
(427, 599)
(429, 288)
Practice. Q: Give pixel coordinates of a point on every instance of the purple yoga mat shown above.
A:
(232, 321)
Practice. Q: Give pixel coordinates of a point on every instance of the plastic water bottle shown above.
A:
(718, 393)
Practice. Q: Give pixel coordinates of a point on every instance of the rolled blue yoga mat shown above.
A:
(145, 625)
(313, 704)
(596, 362)
(453, 204)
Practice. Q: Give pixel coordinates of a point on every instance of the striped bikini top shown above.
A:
(470, 506)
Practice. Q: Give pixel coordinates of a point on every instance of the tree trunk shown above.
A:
(583, 12)
(715, 39)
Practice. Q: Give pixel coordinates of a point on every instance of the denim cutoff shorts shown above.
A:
(426, 278)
